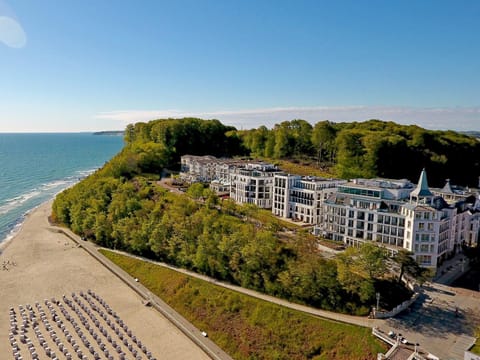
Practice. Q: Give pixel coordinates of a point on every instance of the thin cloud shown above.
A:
(431, 118)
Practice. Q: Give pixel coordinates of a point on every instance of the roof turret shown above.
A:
(422, 190)
(447, 188)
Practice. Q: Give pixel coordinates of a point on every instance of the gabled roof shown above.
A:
(422, 189)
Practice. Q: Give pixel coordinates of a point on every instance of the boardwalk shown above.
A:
(49, 265)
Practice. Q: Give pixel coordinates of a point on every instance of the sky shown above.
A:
(99, 65)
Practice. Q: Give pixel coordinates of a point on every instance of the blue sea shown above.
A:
(35, 167)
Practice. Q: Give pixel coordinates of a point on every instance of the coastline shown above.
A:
(23, 217)
(18, 227)
(44, 264)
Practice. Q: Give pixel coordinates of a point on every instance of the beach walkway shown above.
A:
(44, 265)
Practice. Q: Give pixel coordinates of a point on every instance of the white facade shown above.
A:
(253, 184)
(367, 210)
(207, 168)
(301, 198)
(397, 215)
(198, 168)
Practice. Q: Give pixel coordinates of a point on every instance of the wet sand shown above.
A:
(41, 264)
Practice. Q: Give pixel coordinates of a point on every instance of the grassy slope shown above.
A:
(248, 328)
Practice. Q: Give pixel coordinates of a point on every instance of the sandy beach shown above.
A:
(41, 264)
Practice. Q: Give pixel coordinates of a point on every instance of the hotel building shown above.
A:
(398, 215)
(300, 198)
(253, 184)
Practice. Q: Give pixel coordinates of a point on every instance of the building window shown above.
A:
(421, 226)
(424, 259)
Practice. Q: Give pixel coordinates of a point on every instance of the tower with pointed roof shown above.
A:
(422, 192)
(447, 189)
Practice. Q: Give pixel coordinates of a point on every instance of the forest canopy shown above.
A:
(368, 149)
(372, 148)
(122, 206)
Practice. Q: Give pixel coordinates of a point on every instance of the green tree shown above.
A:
(372, 260)
(283, 141)
(323, 140)
(407, 264)
(195, 191)
(302, 137)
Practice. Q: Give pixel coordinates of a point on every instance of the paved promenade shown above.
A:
(442, 321)
(39, 313)
(194, 334)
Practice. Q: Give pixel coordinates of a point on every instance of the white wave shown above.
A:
(84, 173)
(55, 184)
(46, 190)
(68, 181)
(14, 231)
(17, 201)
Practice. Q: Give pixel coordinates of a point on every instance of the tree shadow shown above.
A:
(436, 318)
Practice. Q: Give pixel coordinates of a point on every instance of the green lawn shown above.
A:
(475, 349)
(248, 328)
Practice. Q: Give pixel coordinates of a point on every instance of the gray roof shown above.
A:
(422, 189)
(447, 188)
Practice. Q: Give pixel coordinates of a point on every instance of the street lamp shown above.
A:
(378, 299)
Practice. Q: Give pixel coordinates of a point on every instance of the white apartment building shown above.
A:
(198, 168)
(396, 214)
(207, 168)
(253, 184)
(247, 183)
(301, 197)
